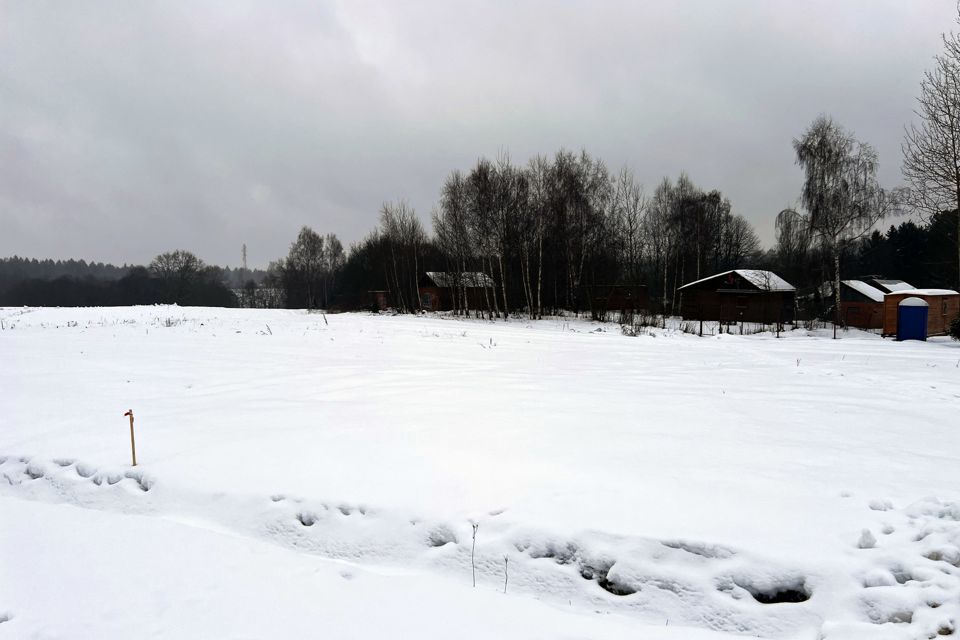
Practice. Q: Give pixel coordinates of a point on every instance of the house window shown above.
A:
(741, 302)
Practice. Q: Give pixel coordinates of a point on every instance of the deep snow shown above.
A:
(664, 479)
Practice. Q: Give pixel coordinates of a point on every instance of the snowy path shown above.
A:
(669, 478)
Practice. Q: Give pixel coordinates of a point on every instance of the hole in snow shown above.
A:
(785, 592)
(901, 617)
(35, 472)
(306, 518)
(440, 536)
(143, 482)
(600, 572)
(948, 554)
(561, 553)
(901, 575)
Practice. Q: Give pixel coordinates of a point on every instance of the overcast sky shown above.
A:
(129, 128)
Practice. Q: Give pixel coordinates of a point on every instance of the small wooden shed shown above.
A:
(749, 295)
(943, 308)
(861, 305)
(437, 289)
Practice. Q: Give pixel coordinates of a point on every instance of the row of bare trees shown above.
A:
(551, 231)
(308, 274)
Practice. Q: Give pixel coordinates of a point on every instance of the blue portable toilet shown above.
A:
(912, 319)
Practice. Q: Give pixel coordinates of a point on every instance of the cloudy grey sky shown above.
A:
(131, 128)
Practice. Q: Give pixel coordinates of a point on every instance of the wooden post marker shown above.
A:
(133, 445)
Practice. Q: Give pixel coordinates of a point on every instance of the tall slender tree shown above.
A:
(840, 190)
(931, 150)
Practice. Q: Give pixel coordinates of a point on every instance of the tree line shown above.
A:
(175, 277)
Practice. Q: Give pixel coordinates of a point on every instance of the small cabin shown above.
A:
(445, 290)
(861, 304)
(739, 295)
(943, 307)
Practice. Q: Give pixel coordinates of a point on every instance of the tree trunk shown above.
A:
(503, 288)
(540, 278)
(496, 303)
(836, 286)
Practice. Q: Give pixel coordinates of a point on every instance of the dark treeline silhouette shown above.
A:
(174, 277)
(16, 269)
(922, 254)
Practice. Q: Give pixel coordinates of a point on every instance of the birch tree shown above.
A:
(840, 190)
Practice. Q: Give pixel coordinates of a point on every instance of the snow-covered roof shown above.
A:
(893, 286)
(760, 278)
(864, 289)
(928, 292)
(467, 278)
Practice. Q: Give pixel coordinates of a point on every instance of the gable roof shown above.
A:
(447, 279)
(864, 289)
(760, 278)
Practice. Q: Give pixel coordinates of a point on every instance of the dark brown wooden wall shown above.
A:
(863, 315)
(736, 306)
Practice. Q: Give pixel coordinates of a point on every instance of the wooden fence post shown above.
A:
(133, 445)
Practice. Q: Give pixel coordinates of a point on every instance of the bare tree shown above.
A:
(306, 260)
(538, 177)
(629, 208)
(404, 236)
(840, 190)
(177, 271)
(931, 151)
(333, 260)
(451, 226)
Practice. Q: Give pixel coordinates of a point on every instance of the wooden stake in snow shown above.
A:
(133, 445)
(473, 548)
(506, 572)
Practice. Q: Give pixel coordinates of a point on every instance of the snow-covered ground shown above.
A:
(321, 477)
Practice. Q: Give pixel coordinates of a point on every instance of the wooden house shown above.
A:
(748, 295)
(861, 305)
(444, 290)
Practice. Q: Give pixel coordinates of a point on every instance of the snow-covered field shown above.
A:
(307, 478)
